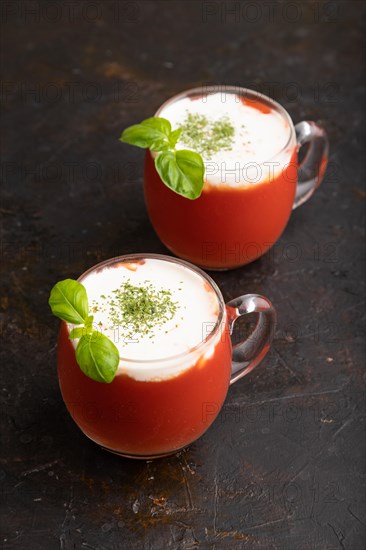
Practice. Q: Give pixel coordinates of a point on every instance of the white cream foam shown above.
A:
(194, 319)
(258, 138)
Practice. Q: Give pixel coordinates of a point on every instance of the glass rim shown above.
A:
(241, 91)
(163, 257)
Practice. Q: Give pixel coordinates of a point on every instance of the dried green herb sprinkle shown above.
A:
(207, 137)
(138, 309)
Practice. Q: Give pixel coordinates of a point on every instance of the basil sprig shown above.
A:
(96, 354)
(181, 170)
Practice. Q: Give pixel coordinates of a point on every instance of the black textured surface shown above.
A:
(282, 467)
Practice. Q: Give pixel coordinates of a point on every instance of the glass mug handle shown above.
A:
(249, 353)
(312, 168)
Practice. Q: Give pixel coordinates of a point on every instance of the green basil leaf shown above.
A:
(174, 137)
(153, 133)
(77, 332)
(97, 357)
(89, 322)
(161, 124)
(182, 172)
(69, 301)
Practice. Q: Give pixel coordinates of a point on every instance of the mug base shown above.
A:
(208, 267)
(230, 268)
(143, 457)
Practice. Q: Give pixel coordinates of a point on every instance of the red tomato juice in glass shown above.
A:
(175, 365)
(249, 148)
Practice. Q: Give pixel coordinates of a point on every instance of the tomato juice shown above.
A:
(145, 418)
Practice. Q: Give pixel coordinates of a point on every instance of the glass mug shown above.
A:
(227, 227)
(155, 417)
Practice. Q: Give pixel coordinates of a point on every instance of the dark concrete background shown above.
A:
(282, 467)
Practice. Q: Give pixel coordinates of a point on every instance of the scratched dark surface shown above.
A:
(283, 466)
